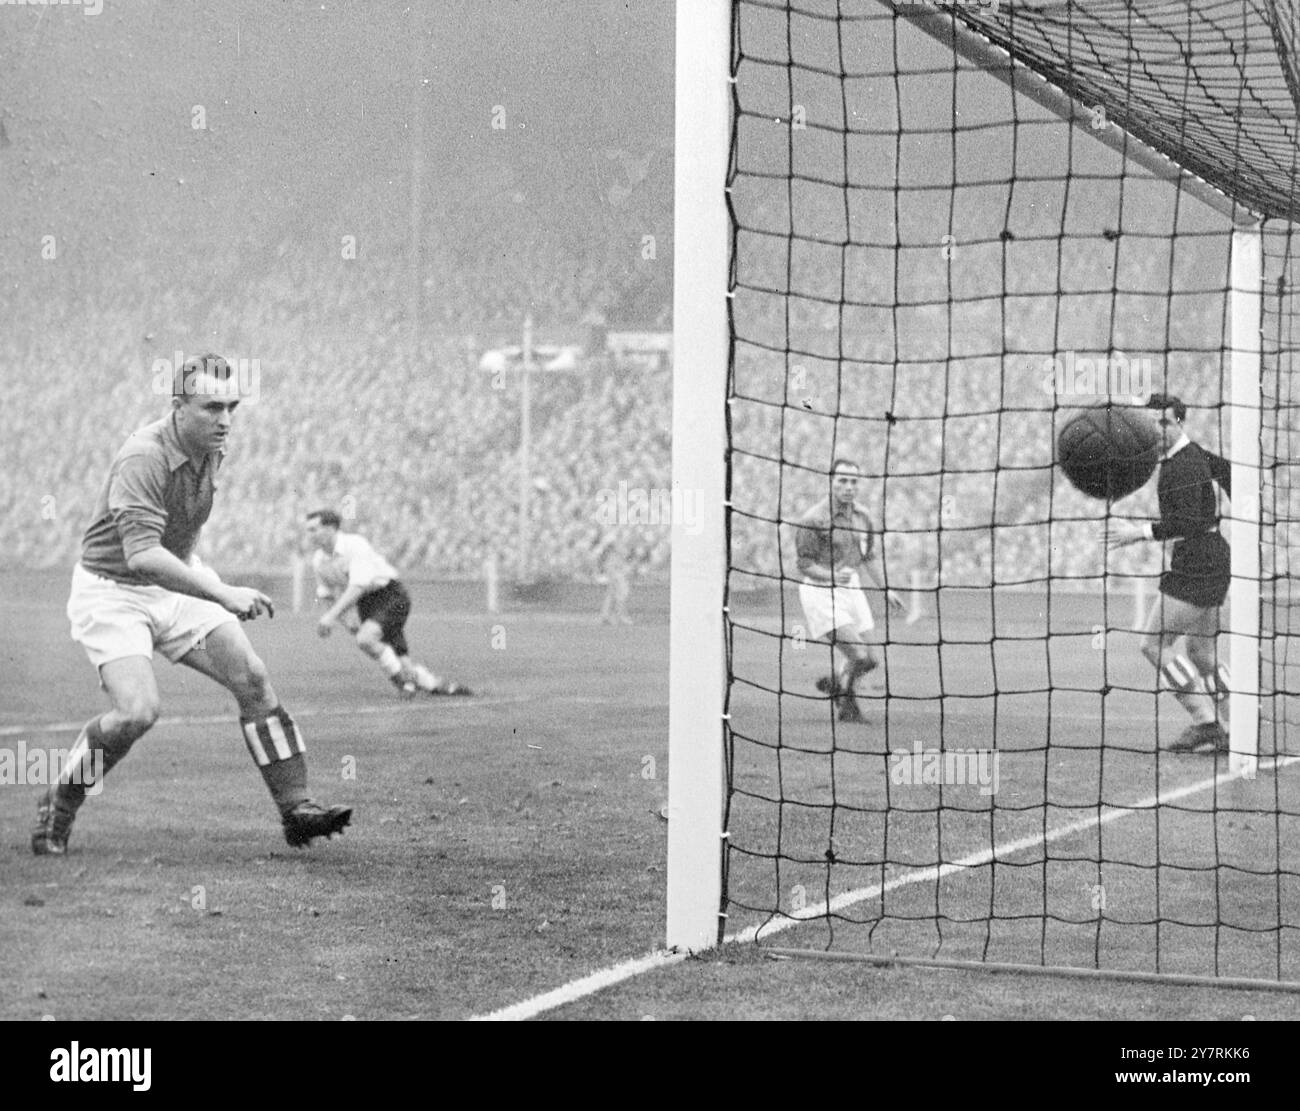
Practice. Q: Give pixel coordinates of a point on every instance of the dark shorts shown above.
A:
(390, 606)
(1199, 571)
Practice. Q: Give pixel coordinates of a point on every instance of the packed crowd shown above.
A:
(419, 448)
(407, 437)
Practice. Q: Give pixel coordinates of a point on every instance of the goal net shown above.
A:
(951, 225)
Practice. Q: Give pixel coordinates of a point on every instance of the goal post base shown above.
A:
(882, 960)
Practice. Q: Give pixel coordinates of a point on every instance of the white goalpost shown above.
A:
(701, 342)
(1246, 398)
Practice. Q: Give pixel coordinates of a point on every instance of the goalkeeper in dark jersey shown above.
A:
(1196, 583)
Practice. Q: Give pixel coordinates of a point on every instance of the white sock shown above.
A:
(424, 678)
(388, 661)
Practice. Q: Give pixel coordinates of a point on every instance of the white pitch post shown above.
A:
(1246, 392)
(491, 578)
(298, 580)
(1141, 594)
(697, 668)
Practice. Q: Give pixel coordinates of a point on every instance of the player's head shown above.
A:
(205, 395)
(322, 526)
(844, 481)
(1172, 414)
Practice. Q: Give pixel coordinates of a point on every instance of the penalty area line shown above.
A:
(662, 958)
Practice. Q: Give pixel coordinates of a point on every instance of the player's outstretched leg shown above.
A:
(1215, 680)
(271, 735)
(1203, 651)
(429, 683)
(103, 741)
(371, 640)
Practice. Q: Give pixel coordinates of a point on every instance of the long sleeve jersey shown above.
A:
(1188, 505)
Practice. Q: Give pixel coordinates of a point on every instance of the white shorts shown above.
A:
(112, 620)
(826, 608)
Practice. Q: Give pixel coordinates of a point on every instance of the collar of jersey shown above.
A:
(1179, 444)
(172, 448)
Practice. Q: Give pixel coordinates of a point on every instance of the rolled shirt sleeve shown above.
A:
(809, 546)
(137, 501)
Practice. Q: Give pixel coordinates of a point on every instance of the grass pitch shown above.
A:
(505, 845)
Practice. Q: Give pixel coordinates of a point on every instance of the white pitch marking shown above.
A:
(588, 985)
(299, 712)
(616, 974)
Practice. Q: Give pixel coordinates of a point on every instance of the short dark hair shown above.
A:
(1168, 401)
(842, 461)
(215, 365)
(326, 517)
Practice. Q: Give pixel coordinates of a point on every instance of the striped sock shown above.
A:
(1189, 688)
(1219, 682)
(277, 749)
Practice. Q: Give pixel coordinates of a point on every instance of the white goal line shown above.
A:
(626, 970)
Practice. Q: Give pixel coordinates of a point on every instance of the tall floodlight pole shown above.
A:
(1246, 394)
(416, 233)
(697, 668)
(525, 446)
(529, 359)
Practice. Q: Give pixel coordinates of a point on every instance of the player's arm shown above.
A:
(136, 500)
(159, 567)
(1182, 514)
(874, 569)
(1220, 471)
(1120, 532)
(875, 572)
(351, 595)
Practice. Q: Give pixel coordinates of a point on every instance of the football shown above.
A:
(1108, 451)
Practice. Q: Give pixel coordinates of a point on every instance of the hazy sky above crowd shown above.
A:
(312, 112)
(309, 109)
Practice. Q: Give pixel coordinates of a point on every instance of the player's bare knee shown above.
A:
(255, 680)
(137, 714)
(368, 641)
(248, 681)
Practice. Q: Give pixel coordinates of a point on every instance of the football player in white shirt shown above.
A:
(367, 599)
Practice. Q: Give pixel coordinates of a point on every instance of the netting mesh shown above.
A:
(930, 270)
